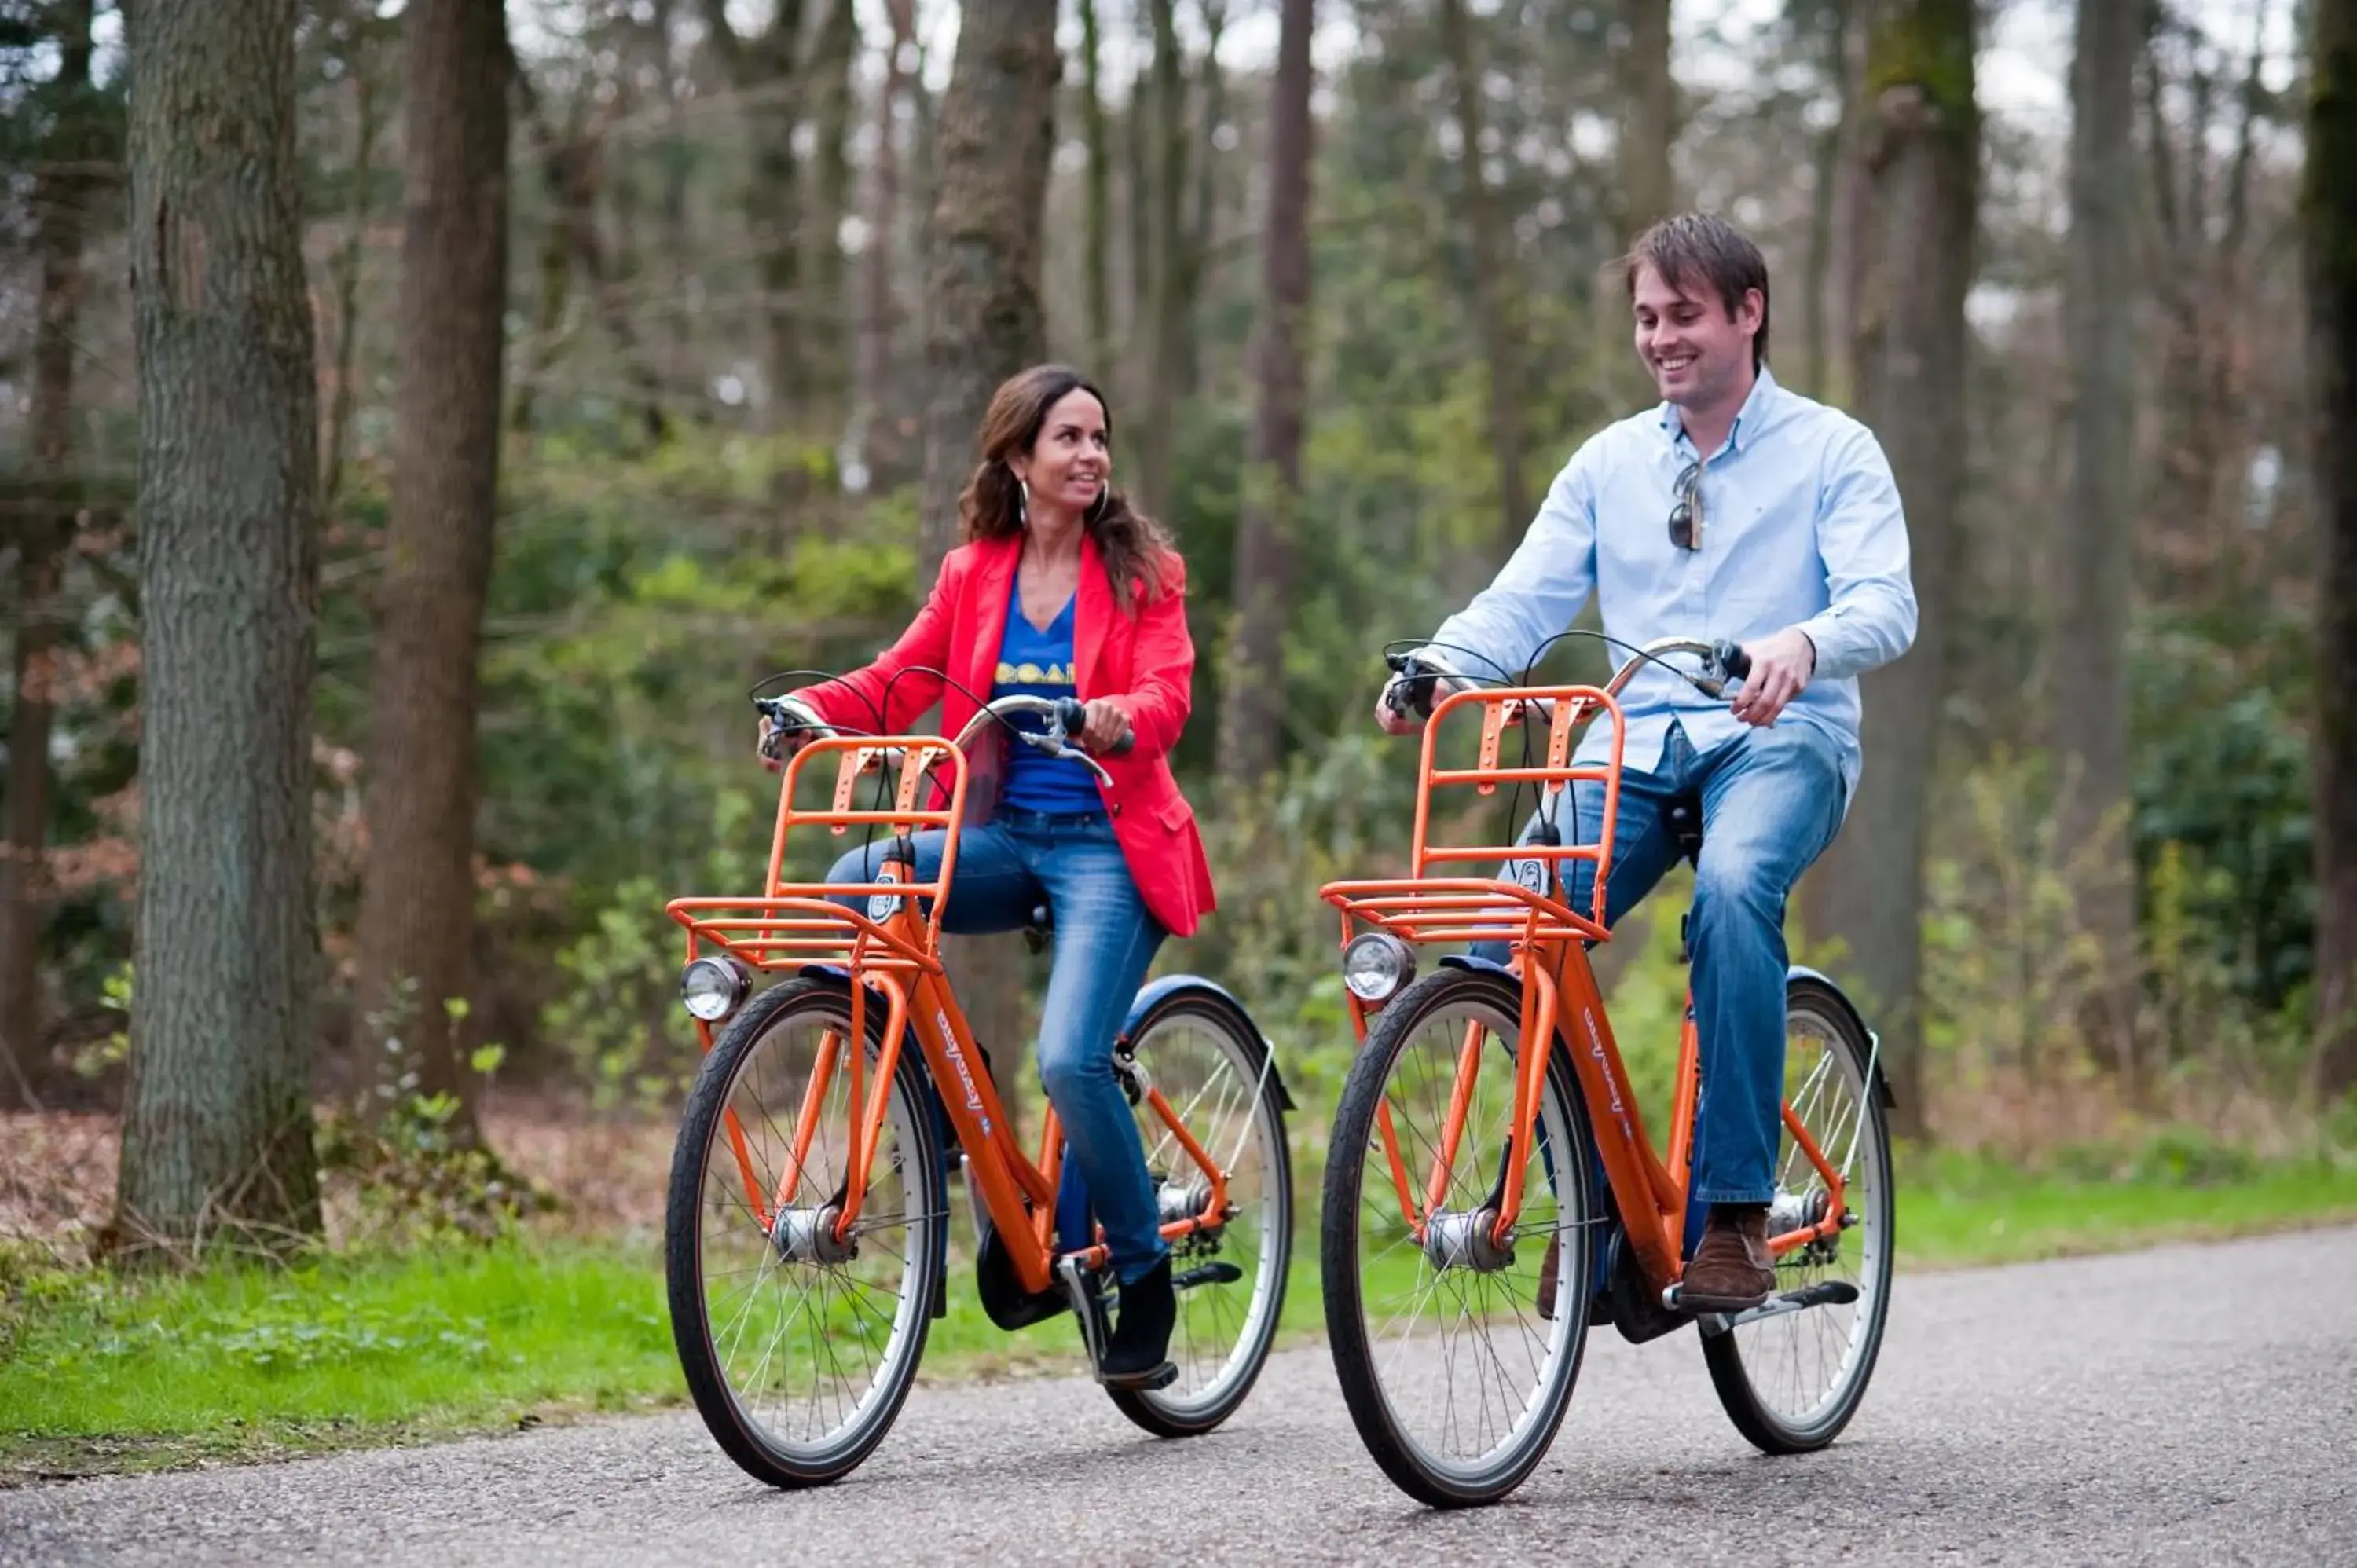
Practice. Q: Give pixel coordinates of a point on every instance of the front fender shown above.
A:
(1166, 988)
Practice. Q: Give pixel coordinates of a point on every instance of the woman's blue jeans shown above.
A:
(1104, 941)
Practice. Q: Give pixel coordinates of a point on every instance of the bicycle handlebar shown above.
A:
(1066, 715)
(1417, 676)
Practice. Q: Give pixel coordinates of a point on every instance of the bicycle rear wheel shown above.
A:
(799, 1349)
(1791, 1382)
(1208, 1061)
(1455, 1381)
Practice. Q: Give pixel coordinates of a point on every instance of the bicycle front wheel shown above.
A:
(1791, 1382)
(1455, 1355)
(800, 1345)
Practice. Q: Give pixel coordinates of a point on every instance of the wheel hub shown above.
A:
(1462, 1241)
(807, 1236)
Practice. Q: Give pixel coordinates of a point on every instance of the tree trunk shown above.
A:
(217, 1117)
(1096, 286)
(2329, 198)
(1830, 167)
(1493, 274)
(1648, 119)
(1195, 239)
(833, 56)
(1917, 244)
(368, 112)
(883, 445)
(997, 130)
(416, 915)
(1164, 271)
(2094, 568)
(1252, 702)
(984, 324)
(58, 196)
(1137, 147)
(763, 70)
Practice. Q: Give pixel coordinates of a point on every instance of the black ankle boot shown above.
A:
(1134, 1356)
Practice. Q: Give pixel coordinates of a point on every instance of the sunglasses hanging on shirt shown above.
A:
(1685, 518)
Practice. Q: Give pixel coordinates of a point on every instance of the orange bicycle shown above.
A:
(1455, 1334)
(806, 1231)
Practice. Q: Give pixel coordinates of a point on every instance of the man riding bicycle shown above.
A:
(1734, 508)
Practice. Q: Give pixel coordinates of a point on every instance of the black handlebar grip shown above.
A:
(1414, 689)
(1072, 716)
(1730, 656)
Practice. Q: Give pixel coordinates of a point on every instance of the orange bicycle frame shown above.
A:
(891, 955)
(1561, 1003)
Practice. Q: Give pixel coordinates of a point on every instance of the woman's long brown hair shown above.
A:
(1132, 544)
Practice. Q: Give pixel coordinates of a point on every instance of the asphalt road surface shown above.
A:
(2192, 1405)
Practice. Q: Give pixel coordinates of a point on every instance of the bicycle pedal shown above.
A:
(1087, 1306)
(1162, 1377)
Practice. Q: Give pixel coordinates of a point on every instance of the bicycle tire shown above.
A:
(1393, 1449)
(1158, 1411)
(1764, 1427)
(732, 1426)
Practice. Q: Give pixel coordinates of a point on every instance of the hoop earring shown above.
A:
(1105, 497)
(1022, 503)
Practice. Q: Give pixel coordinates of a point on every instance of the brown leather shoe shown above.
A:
(1731, 1270)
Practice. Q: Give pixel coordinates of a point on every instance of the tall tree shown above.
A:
(1493, 288)
(765, 70)
(1923, 148)
(833, 55)
(357, 36)
(2328, 197)
(983, 320)
(1648, 119)
(1164, 265)
(61, 192)
(416, 918)
(1097, 285)
(217, 1115)
(983, 323)
(1253, 707)
(881, 444)
(2094, 568)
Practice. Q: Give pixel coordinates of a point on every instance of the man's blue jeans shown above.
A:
(1105, 940)
(1771, 801)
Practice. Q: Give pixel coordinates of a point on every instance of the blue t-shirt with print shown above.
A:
(1039, 663)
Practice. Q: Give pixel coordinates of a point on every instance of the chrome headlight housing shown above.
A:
(713, 986)
(1376, 964)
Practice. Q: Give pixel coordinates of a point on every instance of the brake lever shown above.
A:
(1414, 684)
(1726, 662)
(1056, 745)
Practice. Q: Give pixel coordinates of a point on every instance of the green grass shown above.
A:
(102, 1374)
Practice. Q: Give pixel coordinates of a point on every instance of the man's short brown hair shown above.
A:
(1695, 246)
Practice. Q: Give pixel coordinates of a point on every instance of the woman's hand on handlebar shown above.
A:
(1105, 729)
(1781, 668)
(773, 747)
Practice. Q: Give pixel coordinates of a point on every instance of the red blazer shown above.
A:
(1144, 665)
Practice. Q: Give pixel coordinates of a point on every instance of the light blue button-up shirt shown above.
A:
(1802, 526)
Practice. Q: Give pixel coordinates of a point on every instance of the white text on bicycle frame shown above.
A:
(957, 1060)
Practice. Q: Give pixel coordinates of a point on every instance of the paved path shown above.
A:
(2193, 1404)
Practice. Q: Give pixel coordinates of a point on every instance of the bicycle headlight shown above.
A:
(713, 986)
(1375, 964)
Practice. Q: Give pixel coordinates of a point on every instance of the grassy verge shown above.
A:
(101, 1375)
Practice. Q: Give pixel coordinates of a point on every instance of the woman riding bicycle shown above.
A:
(1062, 589)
